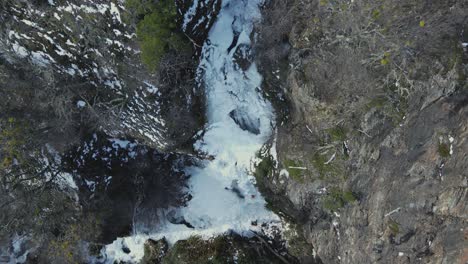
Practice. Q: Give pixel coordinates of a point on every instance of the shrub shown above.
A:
(337, 199)
(12, 139)
(327, 171)
(394, 227)
(444, 150)
(265, 167)
(157, 31)
(337, 133)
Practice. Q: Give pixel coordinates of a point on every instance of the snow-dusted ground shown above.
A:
(224, 194)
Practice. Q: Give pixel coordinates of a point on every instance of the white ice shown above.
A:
(224, 193)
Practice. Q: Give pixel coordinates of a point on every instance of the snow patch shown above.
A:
(284, 173)
(29, 23)
(188, 16)
(115, 12)
(80, 104)
(21, 51)
(65, 180)
(150, 88)
(41, 59)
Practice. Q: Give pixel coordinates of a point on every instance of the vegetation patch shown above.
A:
(197, 250)
(337, 199)
(265, 167)
(157, 30)
(455, 60)
(394, 105)
(217, 250)
(377, 102)
(376, 14)
(444, 150)
(337, 133)
(394, 227)
(154, 251)
(12, 141)
(67, 247)
(385, 59)
(327, 170)
(399, 112)
(294, 168)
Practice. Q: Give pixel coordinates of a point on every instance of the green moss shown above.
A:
(323, 2)
(330, 171)
(376, 14)
(444, 150)
(13, 134)
(378, 102)
(197, 250)
(394, 227)
(332, 204)
(385, 59)
(348, 197)
(296, 174)
(265, 167)
(337, 199)
(344, 6)
(263, 170)
(337, 133)
(218, 250)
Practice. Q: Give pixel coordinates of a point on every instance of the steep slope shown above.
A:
(372, 137)
(91, 136)
(84, 56)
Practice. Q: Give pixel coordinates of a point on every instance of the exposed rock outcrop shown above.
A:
(372, 139)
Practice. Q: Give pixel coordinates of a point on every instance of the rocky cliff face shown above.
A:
(372, 142)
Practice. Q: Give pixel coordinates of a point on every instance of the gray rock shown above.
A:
(245, 121)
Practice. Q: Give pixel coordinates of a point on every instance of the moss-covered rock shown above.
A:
(336, 199)
(154, 251)
(265, 167)
(219, 250)
(295, 169)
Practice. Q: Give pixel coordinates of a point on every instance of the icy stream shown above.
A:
(239, 122)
